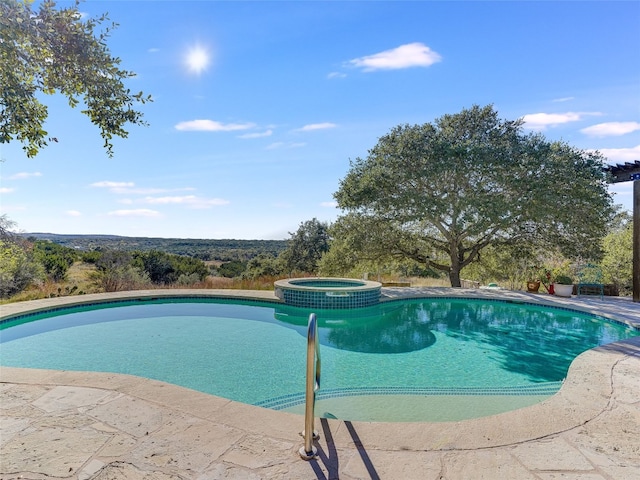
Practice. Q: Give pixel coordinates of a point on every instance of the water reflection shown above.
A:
(536, 341)
(367, 330)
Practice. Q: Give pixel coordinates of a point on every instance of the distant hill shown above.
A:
(221, 250)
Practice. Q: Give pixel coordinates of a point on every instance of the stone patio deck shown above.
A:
(85, 425)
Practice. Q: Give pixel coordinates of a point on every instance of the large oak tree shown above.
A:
(46, 50)
(441, 192)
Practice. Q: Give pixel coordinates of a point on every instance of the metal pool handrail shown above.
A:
(313, 384)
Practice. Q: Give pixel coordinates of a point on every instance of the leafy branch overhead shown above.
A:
(48, 51)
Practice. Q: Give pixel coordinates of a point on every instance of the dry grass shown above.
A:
(413, 281)
(79, 282)
(429, 282)
(262, 283)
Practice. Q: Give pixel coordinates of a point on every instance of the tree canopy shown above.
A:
(617, 262)
(306, 247)
(48, 50)
(441, 192)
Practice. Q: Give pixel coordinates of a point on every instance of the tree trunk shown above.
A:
(456, 264)
(454, 277)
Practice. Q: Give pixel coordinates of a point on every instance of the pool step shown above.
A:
(291, 400)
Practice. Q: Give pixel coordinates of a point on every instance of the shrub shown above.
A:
(17, 269)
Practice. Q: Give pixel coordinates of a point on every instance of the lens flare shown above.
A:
(197, 60)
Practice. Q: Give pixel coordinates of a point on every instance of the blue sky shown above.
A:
(259, 106)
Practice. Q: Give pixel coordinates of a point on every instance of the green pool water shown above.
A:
(408, 360)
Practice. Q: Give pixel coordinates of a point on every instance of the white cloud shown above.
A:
(128, 188)
(275, 145)
(109, 184)
(404, 56)
(266, 133)
(336, 75)
(540, 121)
(329, 204)
(24, 175)
(621, 155)
(141, 212)
(153, 50)
(189, 200)
(563, 99)
(611, 129)
(149, 191)
(316, 126)
(211, 126)
(622, 189)
(4, 190)
(73, 213)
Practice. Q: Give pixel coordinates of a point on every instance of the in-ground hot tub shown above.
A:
(327, 292)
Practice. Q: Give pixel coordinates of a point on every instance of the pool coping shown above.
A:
(356, 285)
(585, 394)
(617, 309)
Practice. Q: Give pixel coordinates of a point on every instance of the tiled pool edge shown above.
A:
(585, 394)
(11, 310)
(389, 294)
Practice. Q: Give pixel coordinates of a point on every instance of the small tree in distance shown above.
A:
(306, 247)
(441, 193)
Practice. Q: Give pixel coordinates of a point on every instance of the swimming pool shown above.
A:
(407, 360)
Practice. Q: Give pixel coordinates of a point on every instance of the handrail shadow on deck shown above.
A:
(330, 458)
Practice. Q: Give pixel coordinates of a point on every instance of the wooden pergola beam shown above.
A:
(630, 172)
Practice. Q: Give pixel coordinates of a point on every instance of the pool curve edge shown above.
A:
(585, 393)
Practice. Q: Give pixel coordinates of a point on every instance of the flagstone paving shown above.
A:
(83, 425)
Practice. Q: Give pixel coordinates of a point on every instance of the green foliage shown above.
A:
(560, 270)
(363, 245)
(187, 279)
(264, 265)
(116, 272)
(55, 258)
(64, 292)
(357, 247)
(564, 280)
(232, 269)
(48, 50)
(166, 268)
(18, 269)
(111, 259)
(6, 228)
(617, 263)
(188, 266)
(506, 265)
(441, 193)
(119, 270)
(158, 266)
(306, 247)
(93, 256)
(203, 249)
